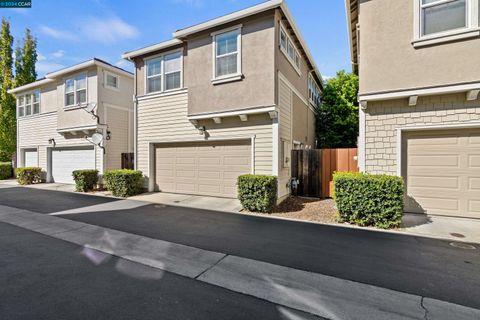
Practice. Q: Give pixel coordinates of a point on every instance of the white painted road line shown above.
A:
(317, 294)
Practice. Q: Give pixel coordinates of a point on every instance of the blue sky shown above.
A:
(70, 32)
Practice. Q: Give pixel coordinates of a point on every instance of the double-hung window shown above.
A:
(76, 90)
(227, 48)
(28, 104)
(111, 81)
(164, 73)
(287, 46)
(443, 15)
(441, 19)
(21, 106)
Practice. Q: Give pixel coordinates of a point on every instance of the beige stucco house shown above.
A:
(57, 116)
(222, 98)
(419, 68)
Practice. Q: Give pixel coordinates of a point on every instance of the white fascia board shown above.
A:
(159, 46)
(30, 86)
(420, 92)
(228, 18)
(299, 36)
(232, 113)
(87, 64)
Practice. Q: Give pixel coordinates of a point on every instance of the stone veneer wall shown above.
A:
(382, 118)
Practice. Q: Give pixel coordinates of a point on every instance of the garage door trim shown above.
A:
(153, 145)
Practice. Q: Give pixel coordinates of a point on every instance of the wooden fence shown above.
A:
(127, 160)
(336, 160)
(314, 169)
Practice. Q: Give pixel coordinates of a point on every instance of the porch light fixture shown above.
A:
(201, 130)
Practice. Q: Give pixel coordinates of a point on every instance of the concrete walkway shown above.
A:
(191, 201)
(317, 294)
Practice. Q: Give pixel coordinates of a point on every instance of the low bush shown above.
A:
(124, 183)
(29, 175)
(368, 199)
(5, 170)
(85, 180)
(257, 193)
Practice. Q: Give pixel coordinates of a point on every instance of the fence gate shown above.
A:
(336, 160)
(306, 167)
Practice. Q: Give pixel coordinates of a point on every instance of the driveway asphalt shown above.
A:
(416, 265)
(45, 278)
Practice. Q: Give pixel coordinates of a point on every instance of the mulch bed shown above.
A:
(318, 210)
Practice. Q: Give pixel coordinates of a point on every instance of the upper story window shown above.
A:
(443, 15)
(439, 19)
(227, 46)
(28, 104)
(76, 90)
(164, 73)
(313, 91)
(111, 80)
(287, 46)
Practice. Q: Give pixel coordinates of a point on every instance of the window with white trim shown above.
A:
(111, 80)
(76, 90)
(227, 53)
(21, 106)
(443, 15)
(164, 73)
(28, 104)
(313, 91)
(287, 46)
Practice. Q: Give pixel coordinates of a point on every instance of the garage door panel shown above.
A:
(443, 172)
(204, 168)
(64, 161)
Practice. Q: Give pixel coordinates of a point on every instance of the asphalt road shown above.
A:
(45, 278)
(421, 266)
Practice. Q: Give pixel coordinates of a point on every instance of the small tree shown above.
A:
(337, 116)
(25, 60)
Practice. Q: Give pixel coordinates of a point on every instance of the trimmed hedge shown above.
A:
(5, 170)
(369, 200)
(257, 193)
(124, 183)
(85, 180)
(29, 175)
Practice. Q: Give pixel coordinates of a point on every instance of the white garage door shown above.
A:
(66, 160)
(443, 172)
(31, 158)
(203, 168)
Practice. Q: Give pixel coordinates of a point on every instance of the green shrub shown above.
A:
(5, 170)
(29, 175)
(257, 193)
(85, 180)
(369, 200)
(124, 183)
(5, 156)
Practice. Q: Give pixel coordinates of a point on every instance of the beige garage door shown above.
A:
(443, 172)
(203, 168)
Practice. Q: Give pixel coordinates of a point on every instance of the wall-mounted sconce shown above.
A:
(52, 141)
(201, 130)
(108, 137)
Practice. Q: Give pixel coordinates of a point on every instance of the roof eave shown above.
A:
(156, 47)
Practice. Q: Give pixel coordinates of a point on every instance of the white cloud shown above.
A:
(56, 33)
(58, 54)
(107, 30)
(41, 57)
(46, 67)
(193, 3)
(122, 63)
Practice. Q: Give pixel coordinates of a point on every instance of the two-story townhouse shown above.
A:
(58, 115)
(419, 71)
(226, 97)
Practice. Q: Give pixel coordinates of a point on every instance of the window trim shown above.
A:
(296, 52)
(161, 56)
(75, 105)
(234, 76)
(24, 105)
(311, 81)
(472, 28)
(106, 85)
